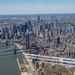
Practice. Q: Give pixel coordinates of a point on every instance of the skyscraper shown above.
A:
(38, 24)
(28, 39)
(14, 29)
(38, 19)
(27, 42)
(29, 26)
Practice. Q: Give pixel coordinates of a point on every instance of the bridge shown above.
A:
(10, 51)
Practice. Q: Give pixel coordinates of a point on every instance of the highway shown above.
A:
(67, 62)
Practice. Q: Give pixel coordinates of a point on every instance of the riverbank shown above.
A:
(30, 65)
(22, 67)
(8, 60)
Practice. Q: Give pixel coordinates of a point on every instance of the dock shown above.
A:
(22, 66)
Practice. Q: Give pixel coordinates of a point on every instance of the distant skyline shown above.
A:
(36, 6)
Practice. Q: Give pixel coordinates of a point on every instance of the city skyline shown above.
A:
(36, 6)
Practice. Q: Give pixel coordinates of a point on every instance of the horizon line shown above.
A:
(36, 13)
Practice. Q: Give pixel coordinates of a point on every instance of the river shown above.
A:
(8, 61)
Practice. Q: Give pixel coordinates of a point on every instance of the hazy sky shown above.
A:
(36, 6)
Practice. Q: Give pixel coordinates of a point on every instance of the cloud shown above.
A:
(57, 9)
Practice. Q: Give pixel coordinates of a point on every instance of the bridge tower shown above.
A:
(15, 50)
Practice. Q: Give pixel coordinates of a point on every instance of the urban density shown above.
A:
(45, 41)
(37, 37)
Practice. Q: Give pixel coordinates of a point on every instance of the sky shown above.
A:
(36, 6)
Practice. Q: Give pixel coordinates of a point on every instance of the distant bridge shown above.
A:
(10, 51)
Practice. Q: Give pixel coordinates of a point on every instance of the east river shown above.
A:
(8, 60)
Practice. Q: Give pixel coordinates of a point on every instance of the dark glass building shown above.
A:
(27, 42)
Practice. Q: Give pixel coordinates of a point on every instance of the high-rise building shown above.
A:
(9, 32)
(29, 26)
(38, 19)
(36, 31)
(38, 25)
(28, 40)
(14, 29)
(58, 40)
(46, 34)
(55, 32)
